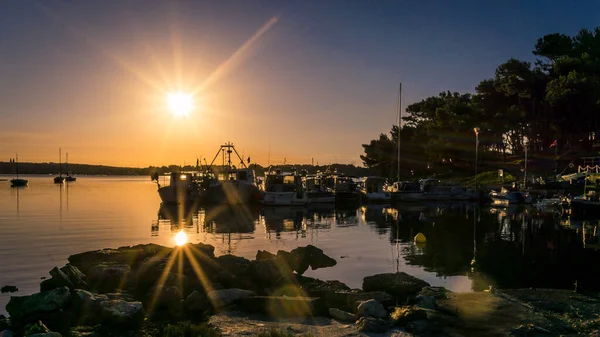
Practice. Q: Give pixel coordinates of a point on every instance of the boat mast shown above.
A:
(399, 126)
(59, 162)
(17, 164)
(67, 163)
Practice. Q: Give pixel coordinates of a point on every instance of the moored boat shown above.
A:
(18, 182)
(586, 206)
(373, 190)
(510, 197)
(318, 193)
(183, 188)
(344, 188)
(59, 179)
(284, 189)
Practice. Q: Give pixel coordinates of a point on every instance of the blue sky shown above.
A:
(91, 76)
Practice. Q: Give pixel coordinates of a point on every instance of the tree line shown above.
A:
(550, 108)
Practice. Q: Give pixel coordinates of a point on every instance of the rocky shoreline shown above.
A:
(151, 290)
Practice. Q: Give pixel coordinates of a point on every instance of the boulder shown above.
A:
(269, 272)
(22, 307)
(8, 289)
(349, 299)
(75, 275)
(342, 316)
(371, 308)
(400, 285)
(372, 324)
(235, 265)
(50, 284)
(108, 277)
(280, 306)
(311, 256)
(404, 315)
(290, 259)
(86, 306)
(319, 288)
(196, 302)
(225, 297)
(119, 313)
(263, 255)
(169, 298)
(131, 256)
(7, 333)
(61, 279)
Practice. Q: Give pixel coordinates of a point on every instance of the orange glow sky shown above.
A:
(305, 79)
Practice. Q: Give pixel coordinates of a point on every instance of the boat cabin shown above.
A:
(283, 182)
(245, 175)
(374, 185)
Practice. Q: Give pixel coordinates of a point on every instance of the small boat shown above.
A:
(18, 182)
(405, 191)
(284, 189)
(60, 179)
(69, 177)
(373, 190)
(510, 197)
(317, 192)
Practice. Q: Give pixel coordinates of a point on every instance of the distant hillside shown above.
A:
(85, 169)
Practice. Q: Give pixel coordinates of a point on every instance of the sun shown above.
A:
(180, 104)
(181, 238)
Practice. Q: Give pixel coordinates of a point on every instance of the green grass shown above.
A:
(187, 329)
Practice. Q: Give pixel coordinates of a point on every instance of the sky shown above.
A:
(292, 81)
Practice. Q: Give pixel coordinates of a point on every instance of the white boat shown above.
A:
(231, 185)
(404, 191)
(373, 190)
(284, 189)
(510, 197)
(317, 192)
(182, 189)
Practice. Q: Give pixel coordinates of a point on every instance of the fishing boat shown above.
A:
(317, 192)
(284, 189)
(18, 182)
(69, 177)
(373, 190)
(345, 188)
(183, 189)
(231, 184)
(60, 179)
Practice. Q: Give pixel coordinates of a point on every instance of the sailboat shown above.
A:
(17, 182)
(69, 176)
(60, 179)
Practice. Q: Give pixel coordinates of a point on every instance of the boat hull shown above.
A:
(283, 199)
(59, 180)
(19, 182)
(407, 196)
(321, 197)
(377, 197)
(231, 192)
(171, 195)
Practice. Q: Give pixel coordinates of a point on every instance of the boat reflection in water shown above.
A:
(512, 247)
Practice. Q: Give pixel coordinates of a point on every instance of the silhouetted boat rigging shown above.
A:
(60, 179)
(17, 182)
(69, 177)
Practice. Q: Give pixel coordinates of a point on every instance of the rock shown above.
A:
(8, 289)
(311, 256)
(403, 315)
(290, 259)
(118, 313)
(263, 255)
(530, 330)
(425, 302)
(4, 323)
(225, 297)
(50, 284)
(318, 288)
(108, 277)
(349, 299)
(280, 306)
(75, 275)
(342, 316)
(372, 324)
(435, 292)
(421, 326)
(87, 306)
(46, 334)
(60, 278)
(37, 327)
(269, 272)
(205, 250)
(371, 308)
(6, 333)
(21, 307)
(400, 285)
(131, 256)
(235, 265)
(167, 297)
(196, 302)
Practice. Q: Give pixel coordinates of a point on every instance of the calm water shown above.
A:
(468, 248)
